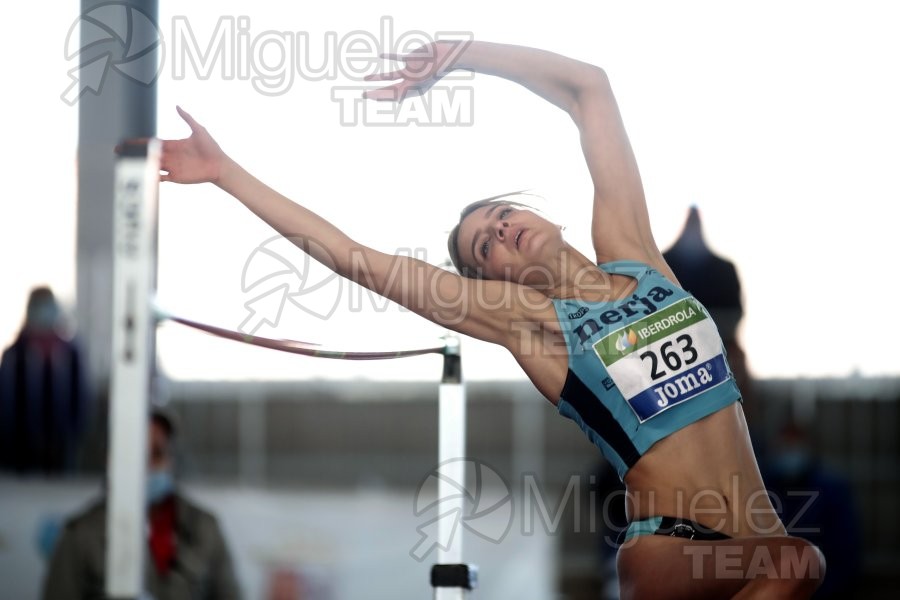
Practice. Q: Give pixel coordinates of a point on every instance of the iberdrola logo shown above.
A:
(626, 341)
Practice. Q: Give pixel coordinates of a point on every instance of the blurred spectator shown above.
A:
(710, 278)
(816, 503)
(714, 281)
(187, 556)
(43, 394)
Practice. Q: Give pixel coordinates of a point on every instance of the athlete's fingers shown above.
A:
(391, 93)
(170, 151)
(164, 163)
(192, 123)
(384, 76)
(392, 56)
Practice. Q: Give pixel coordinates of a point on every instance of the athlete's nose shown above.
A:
(501, 230)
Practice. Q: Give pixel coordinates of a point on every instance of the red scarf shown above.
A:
(162, 535)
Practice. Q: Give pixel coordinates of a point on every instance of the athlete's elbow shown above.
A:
(593, 88)
(596, 78)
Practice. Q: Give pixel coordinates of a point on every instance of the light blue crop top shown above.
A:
(642, 367)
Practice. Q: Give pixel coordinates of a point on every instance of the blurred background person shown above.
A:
(187, 557)
(816, 503)
(43, 393)
(710, 277)
(713, 280)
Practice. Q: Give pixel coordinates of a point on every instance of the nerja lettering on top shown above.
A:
(636, 305)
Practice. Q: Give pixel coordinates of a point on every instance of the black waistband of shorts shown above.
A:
(691, 530)
(681, 528)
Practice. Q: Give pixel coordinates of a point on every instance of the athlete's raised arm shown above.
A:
(440, 296)
(621, 225)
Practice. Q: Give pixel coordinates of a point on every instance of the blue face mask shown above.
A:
(159, 485)
(793, 462)
(43, 316)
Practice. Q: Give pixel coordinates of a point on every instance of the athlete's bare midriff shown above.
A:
(705, 472)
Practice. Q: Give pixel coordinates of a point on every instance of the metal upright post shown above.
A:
(450, 578)
(134, 271)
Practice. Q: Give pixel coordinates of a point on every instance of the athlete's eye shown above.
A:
(505, 213)
(484, 248)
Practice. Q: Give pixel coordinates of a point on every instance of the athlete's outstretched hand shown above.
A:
(196, 159)
(423, 67)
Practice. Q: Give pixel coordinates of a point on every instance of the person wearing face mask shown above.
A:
(187, 556)
(43, 393)
(816, 502)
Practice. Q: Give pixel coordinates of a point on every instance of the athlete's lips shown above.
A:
(518, 237)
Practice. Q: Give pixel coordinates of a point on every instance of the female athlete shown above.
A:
(611, 339)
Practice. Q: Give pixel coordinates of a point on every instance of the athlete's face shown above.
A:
(509, 242)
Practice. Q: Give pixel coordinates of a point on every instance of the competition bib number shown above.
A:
(665, 358)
